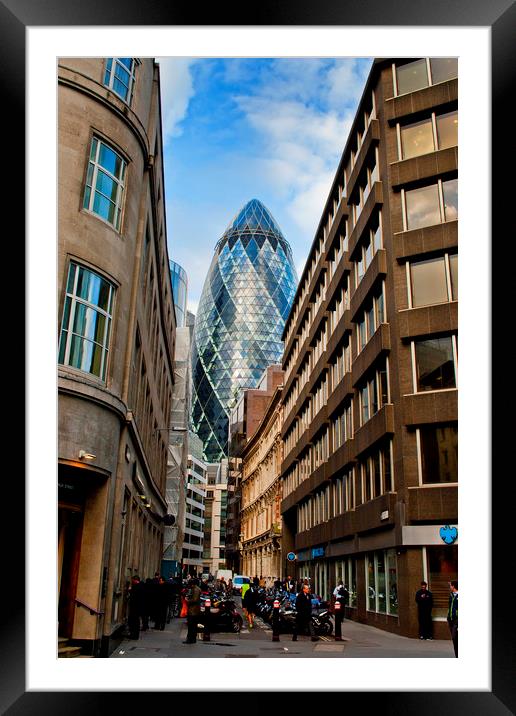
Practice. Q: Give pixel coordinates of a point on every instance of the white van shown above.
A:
(238, 580)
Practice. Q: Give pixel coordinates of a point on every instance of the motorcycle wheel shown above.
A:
(237, 624)
(327, 628)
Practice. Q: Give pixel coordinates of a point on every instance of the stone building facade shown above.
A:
(261, 523)
(116, 341)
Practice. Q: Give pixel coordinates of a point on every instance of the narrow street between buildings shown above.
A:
(358, 640)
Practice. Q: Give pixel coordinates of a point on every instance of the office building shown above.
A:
(369, 474)
(245, 300)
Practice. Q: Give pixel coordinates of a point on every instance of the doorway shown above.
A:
(70, 520)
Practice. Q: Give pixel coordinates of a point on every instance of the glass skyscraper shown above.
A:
(179, 289)
(246, 298)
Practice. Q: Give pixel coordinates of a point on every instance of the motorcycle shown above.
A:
(323, 626)
(223, 615)
(321, 621)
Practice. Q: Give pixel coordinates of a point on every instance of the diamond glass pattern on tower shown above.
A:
(246, 298)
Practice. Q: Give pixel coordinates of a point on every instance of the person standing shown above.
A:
(453, 615)
(193, 601)
(161, 603)
(136, 607)
(304, 614)
(249, 604)
(245, 587)
(341, 595)
(424, 601)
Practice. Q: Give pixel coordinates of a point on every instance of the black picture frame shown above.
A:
(500, 16)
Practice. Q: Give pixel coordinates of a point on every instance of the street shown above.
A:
(358, 640)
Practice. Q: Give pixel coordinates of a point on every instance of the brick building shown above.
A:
(370, 473)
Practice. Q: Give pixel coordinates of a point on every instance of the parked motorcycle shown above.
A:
(223, 615)
(321, 621)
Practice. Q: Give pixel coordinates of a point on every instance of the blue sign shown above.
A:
(291, 556)
(317, 552)
(448, 534)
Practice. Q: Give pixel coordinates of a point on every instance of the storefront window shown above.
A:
(442, 568)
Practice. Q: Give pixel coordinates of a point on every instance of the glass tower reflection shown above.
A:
(246, 298)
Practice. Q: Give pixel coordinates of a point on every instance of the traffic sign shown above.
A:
(291, 556)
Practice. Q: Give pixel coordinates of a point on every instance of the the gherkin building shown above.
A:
(246, 298)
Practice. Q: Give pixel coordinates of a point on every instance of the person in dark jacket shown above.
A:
(424, 601)
(160, 604)
(453, 615)
(249, 604)
(303, 614)
(136, 607)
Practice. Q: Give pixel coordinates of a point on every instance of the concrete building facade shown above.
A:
(369, 473)
(116, 341)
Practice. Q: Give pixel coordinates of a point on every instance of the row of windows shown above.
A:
(437, 456)
(422, 73)
(437, 131)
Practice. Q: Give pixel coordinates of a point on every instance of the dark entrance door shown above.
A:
(70, 521)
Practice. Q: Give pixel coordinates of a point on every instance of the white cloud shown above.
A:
(302, 133)
(176, 92)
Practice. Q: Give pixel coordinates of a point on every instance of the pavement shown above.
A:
(358, 640)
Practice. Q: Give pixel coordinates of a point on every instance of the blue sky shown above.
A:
(237, 129)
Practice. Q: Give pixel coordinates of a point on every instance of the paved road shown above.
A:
(359, 640)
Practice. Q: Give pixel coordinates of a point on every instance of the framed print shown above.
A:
(34, 34)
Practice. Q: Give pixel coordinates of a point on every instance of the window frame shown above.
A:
(108, 316)
(429, 76)
(121, 183)
(434, 116)
(112, 76)
(441, 204)
(447, 273)
(413, 355)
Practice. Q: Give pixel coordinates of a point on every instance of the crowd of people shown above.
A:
(149, 601)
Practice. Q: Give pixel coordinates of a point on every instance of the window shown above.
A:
(86, 325)
(429, 134)
(369, 321)
(433, 280)
(421, 73)
(105, 183)
(438, 453)
(119, 76)
(374, 393)
(443, 68)
(435, 367)
(431, 204)
(382, 582)
(370, 245)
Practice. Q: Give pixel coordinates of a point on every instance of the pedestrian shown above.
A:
(341, 595)
(161, 604)
(193, 601)
(453, 615)
(135, 610)
(277, 584)
(249, 604)
(245, 587)
(424, 601)
(229, 587)
(289, 584)
(304, 614)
